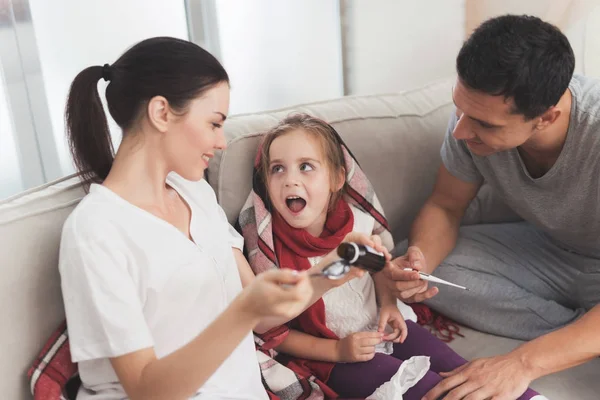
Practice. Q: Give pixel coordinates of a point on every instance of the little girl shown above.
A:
(309, 192)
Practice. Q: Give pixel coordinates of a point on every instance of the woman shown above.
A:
(152, 273)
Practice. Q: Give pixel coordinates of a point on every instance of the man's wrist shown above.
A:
(529, 362)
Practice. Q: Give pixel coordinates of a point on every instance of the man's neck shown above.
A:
(543, 149)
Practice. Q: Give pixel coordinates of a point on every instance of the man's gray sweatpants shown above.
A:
(521, 283)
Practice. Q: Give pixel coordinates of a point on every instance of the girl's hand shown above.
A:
(373, 241)
(277, 293)
(391, 315)
(358, 347)
(380, 247)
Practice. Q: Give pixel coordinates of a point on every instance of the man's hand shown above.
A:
(407, 285)
(502, 377)
(390, 315)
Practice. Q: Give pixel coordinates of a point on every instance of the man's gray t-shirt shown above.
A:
(565, 202)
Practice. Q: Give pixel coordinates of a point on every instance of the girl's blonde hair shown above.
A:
(324, 133)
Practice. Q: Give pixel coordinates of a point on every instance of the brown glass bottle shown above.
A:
(361, 256)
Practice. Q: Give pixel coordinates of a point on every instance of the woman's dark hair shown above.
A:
(519, 57)
(175, 69)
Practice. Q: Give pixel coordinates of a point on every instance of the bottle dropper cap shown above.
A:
(349, 251)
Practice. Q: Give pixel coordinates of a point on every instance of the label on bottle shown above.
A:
(372, 250)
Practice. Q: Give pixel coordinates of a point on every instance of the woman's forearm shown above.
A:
(181, 373)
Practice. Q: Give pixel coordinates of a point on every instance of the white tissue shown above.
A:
(410, 372)
(407, 312)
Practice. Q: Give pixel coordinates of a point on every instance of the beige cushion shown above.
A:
(30, 302)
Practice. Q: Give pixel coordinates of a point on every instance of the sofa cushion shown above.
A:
(31, 306)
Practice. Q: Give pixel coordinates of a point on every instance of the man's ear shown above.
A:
(158, 113)
(548, 118)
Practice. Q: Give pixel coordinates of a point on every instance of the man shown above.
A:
(529, 128)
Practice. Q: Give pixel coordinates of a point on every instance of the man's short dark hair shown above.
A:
(519, 57)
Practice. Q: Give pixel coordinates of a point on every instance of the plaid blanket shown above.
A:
(286, 380)
(53, 376)
(255, 218)
(255, 222)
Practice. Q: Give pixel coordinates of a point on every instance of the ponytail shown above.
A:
(87, 128)
(176, 69)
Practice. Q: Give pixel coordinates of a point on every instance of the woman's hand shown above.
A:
(277, 293)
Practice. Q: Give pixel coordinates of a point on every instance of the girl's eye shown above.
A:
(216, 126)
(306, 167)
(276, 169)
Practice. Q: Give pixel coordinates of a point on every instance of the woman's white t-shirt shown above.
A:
(131, 281)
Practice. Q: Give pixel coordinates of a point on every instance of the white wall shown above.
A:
(74, 34)
(578, 20)
(280, 53)
(10, 175)
(591, 45)
(283, 52)
(401, 44)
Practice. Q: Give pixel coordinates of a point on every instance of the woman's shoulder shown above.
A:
(94, 217)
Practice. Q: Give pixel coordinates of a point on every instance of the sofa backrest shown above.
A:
(30, 302)
(395, 137)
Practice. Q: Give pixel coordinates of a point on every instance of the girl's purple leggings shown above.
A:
(359, 380)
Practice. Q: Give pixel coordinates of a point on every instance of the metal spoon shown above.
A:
(336, 270)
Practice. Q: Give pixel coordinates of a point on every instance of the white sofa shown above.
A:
(396, 138)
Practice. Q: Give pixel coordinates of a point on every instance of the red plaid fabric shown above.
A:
(438, 324)
(53, 368)
(283, 378)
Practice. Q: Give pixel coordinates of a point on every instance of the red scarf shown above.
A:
(293, 247)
